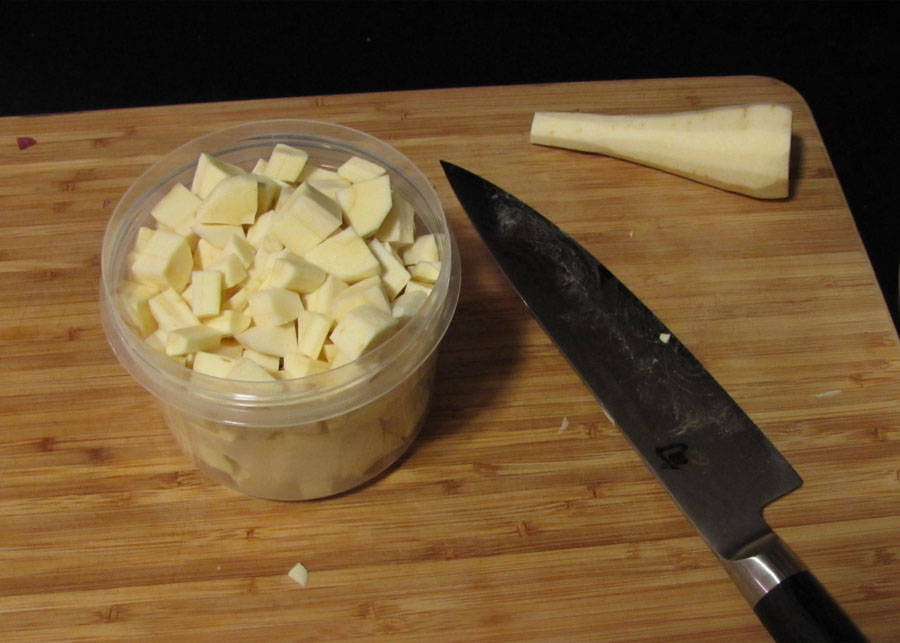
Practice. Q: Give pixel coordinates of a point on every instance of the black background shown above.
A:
(841, 56)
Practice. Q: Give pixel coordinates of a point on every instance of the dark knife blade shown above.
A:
(714, 461)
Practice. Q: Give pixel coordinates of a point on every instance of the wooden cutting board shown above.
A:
(521, 513)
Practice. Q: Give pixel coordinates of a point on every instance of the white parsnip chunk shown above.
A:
(164, 261)
(393, 273)
(312, 331)
(229, 322)
(247, 370)
(234, 201)
(295, 273)
(423, 248)
(177, 208)
(285, 163)
(370, 204)
(346, 256)
(399, 226)
(206, 293)
(209, 173)
(356, 169)
(306, 219)
(191, 339)
(135, 298)
(272, 340)
(274, 307)
(171, 311)
(213, 364)
(362, 328)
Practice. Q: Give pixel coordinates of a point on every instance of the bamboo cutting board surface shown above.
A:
(521, 513)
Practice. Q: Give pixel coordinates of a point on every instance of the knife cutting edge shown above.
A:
(717, 465)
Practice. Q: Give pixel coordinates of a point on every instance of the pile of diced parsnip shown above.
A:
(281, 272)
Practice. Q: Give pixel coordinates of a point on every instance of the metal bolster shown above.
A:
(761, 566)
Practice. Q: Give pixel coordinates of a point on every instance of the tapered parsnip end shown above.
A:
(744, 148)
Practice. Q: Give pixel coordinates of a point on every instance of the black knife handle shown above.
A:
(786, 597)
(800, 609)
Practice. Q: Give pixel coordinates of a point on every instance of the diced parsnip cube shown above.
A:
(295, 273)
(417, 286)
(229, 322)
(257, 232)
(157, 340)
(143, 236)
(275, 340)
(287, 191)
(371, 204)
(269, 362)
(213, 364)
(234, 201)
(360, 449)
(331, 352)
(361, 329)
(285, 163)
(308, 170)
(135, 306)
(356, 169)
(346, 256)
(232, 269)
(177, 207)
(399, 226)
(424, 248)
(254, 282)
(263, 260)
(267, 192)
(209, 173)
(321, 298)
(425, 271)
(171, 312)
(393, 273)
(271, 243)
(328, 182)
(249, 371)
(306, 219)
(345, 197)
(368, 292)
(242, 249)
(191, 339)
(238, 300)
(259, 168)
(312, 331)
(339, 359)
(206, 254)
(408, 304)
(229, 347)
(187, 229)
(217, 234)
(274, 307)
(296, 364)
(289, 231)
(206, 293)
(165, 261)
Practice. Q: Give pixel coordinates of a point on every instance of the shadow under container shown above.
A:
(302, 438)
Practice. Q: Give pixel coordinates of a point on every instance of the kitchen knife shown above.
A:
(708, 454)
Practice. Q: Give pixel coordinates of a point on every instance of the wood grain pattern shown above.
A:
(497, 525)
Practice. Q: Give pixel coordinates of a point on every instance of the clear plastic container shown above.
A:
(303, 438)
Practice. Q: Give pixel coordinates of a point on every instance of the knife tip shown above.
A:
(453, 171)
